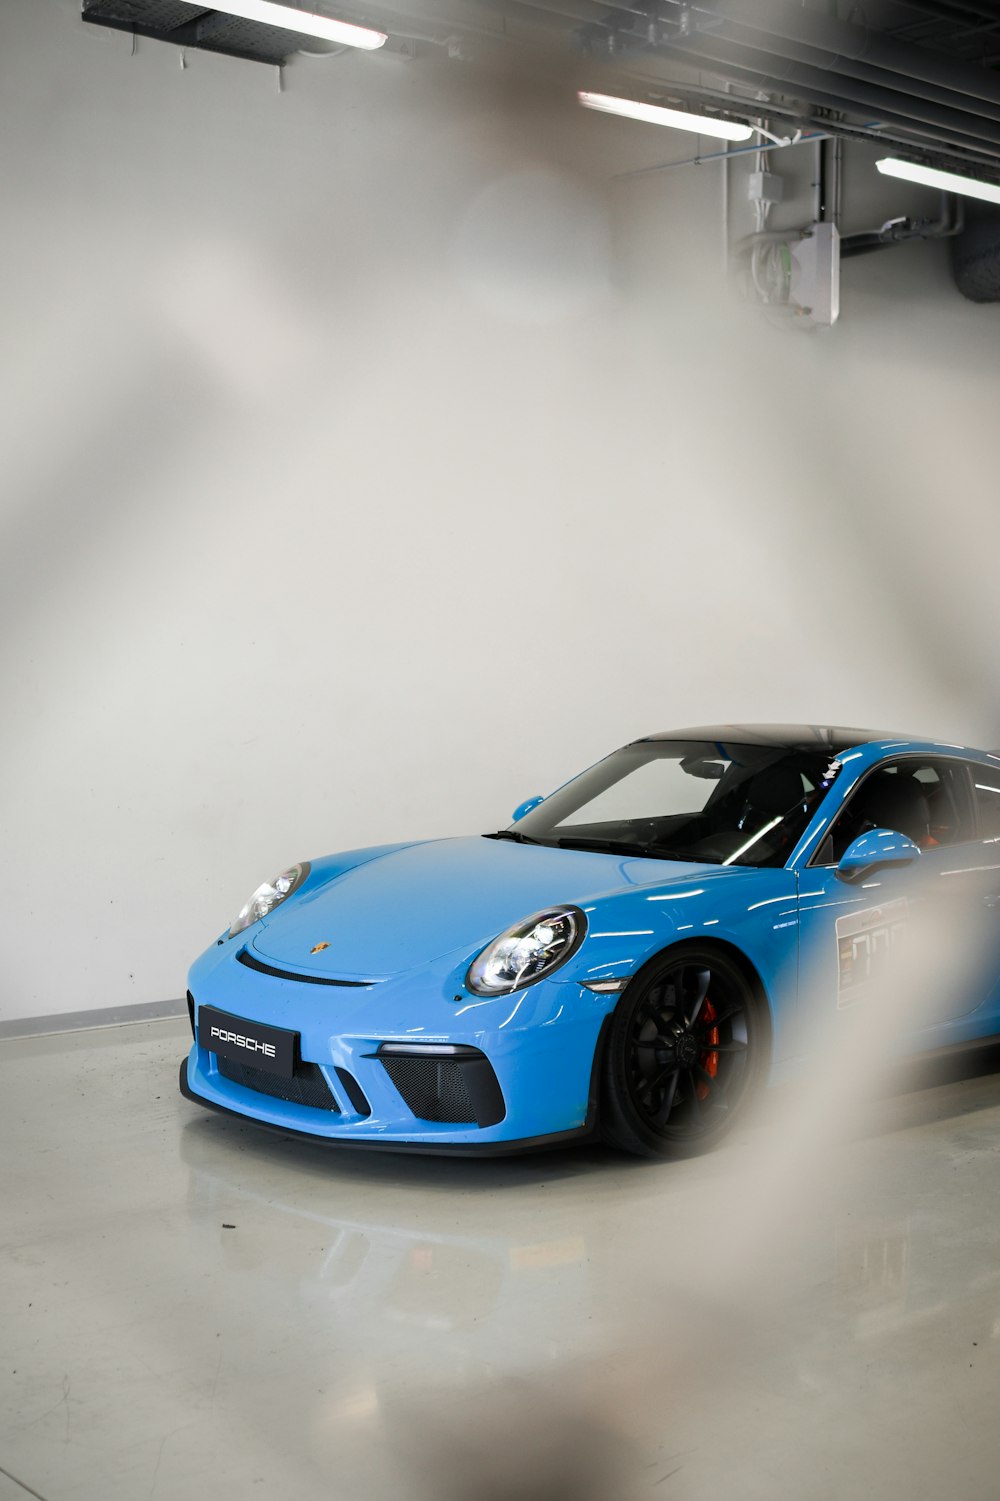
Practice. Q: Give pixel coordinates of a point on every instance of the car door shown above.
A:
(851, 934)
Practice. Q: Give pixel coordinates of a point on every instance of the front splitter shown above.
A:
(455, 1149)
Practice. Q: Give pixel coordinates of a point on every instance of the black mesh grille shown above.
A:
(306, 1087)
(433, 1088)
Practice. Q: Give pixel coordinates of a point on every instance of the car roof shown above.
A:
(819, 737)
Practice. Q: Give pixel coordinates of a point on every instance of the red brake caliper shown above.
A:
(709, 1060)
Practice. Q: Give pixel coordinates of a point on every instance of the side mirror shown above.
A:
(878, 850)
(526, 807)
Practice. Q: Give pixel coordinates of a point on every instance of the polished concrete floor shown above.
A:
(190, 1308)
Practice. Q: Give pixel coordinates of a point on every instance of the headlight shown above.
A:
(527, 952)
(267, 897)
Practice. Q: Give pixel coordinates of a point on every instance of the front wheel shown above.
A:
(687, 1046)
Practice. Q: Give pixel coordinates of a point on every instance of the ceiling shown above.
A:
(921, 75)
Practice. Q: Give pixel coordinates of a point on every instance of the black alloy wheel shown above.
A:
(687, 1045)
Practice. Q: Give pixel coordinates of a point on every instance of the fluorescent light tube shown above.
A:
(677, 119)
(930, 177)
(305, 21)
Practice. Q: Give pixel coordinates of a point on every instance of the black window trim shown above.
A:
(814, 864)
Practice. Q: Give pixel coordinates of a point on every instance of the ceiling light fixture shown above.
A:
(307, 22)
(931, 177)
(676, 119)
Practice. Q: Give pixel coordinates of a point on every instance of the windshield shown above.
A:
(723, 804)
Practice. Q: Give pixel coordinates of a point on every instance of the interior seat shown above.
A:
(897, 802)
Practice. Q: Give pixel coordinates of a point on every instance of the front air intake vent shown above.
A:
(354, 1092)
(454, 1085)
(433, 1089)
(307, 1086)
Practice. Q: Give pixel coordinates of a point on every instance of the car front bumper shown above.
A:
(376, 1062)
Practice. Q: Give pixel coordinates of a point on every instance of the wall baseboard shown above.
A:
(80, 1021)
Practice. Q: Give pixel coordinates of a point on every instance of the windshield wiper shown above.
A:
(615, 847)
(599, 846)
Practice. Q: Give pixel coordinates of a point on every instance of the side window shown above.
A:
(987, 788)
(927, 801)
(945, 786)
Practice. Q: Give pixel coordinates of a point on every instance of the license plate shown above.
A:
(271, 1048)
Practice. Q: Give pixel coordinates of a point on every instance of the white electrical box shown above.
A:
(815, 279)
(765, 187)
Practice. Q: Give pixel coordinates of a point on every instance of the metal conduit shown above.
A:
(739, 63)
(886, 103)
(874, 134)
(982, 110)
(975, 18)
(935, 93)
(798, 116)
(847, 43)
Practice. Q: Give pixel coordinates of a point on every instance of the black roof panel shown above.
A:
(795, 736)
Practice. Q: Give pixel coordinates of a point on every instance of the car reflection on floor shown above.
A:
(452, 1325)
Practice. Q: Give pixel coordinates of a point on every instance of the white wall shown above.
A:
(373, 460)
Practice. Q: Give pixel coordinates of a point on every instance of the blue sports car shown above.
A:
(634, 954)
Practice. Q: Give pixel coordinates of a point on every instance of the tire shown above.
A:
(687, 1051)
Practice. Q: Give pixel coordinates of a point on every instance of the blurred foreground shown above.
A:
(812, 1311)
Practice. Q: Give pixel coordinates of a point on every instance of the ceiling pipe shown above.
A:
(950, 15)
(798, 115)
(815, 56)
(848, 44)
(763, 72)
(898, 231)
(980, 109)
(694, 95)
(872, 98)
(933, 93)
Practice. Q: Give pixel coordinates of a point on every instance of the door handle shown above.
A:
(993, 900)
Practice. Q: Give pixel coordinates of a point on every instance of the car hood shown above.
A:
(409, 907)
